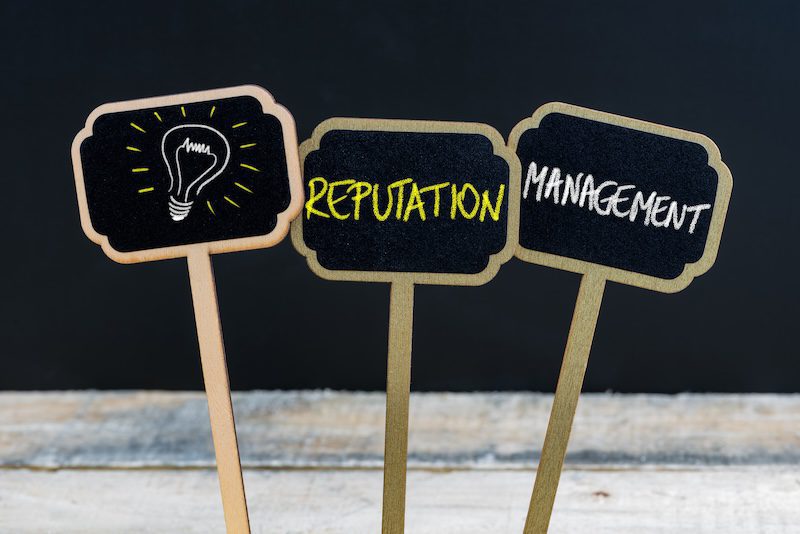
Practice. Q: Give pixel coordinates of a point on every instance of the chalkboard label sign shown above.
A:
(631, 201)
(429, 202)
(156, 176)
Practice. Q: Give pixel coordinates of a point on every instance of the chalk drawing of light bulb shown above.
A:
(195, 155)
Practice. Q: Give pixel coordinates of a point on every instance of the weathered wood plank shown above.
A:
(329, 429)
(722, 500)
(472, 457)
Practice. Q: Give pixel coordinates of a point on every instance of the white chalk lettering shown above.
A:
(610, 198)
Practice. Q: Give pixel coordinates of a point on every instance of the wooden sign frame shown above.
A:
(590, 296)
(269, 106)
(691, 270)
(398, 379)
(416, 126)
(201, 276)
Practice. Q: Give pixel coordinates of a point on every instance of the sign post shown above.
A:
(398, 389)
(192, 175)
(614, 199)
(565, 401)
(406, 202)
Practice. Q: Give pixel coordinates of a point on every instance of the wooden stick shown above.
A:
(398, 387)
(570, 382)
(215, 376)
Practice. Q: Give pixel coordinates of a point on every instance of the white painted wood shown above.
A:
(323, 428)
(125, 462)
(723, 500)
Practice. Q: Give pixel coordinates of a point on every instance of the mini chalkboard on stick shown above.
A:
(192, 175)
(406, 202)
(615, 199)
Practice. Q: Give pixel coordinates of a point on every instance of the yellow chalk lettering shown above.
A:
(363, 189)
(314, 196)
(486, 205)
(414, 203)
(454, 201)
(400, 185)
(435, 188)
(378, 215)
(333, 201)
(471, 188)
(405, 197)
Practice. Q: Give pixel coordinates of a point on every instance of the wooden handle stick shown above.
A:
(215, 376)
(570, 382)
(398, 387)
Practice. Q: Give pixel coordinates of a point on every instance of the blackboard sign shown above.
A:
(406, 202)
(155, 176)
(434, 202)
(634, 202)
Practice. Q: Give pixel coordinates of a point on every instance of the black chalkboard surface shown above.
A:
(210, 167)
(616, 199)
(643, 203)
(385, 197)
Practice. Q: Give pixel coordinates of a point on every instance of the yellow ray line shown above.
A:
(140, 169)
(246, 166)
(239, 124)
(146, 189)
(208, 203)
(132, 149)
(183, 112)
(213, 108)
(157, 116)
(232, 202)
(248, 145)
(138, 127)
(240, 186)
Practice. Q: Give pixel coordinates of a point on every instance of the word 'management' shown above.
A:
(401, 200)
(610, 198)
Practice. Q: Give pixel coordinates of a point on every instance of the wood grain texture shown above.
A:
(723, 500)
(565, 401)
(398, 389)
(446, 430)
(130, 462)
(218, 392)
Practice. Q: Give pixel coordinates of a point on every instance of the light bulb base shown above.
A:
(178, 210)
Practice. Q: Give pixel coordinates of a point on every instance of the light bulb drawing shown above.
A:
(205, 154)
(213, 170)
(195, 154)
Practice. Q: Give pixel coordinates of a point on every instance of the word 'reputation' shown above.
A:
(402, 200)
(610, 198)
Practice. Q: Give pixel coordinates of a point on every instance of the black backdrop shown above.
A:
(71, 318)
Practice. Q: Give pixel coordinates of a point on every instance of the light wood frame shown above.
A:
(268, 105)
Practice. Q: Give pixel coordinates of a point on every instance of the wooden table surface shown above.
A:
(119, 462)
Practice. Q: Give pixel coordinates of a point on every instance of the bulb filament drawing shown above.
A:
(195, 155)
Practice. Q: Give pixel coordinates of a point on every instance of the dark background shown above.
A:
(71, 318)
